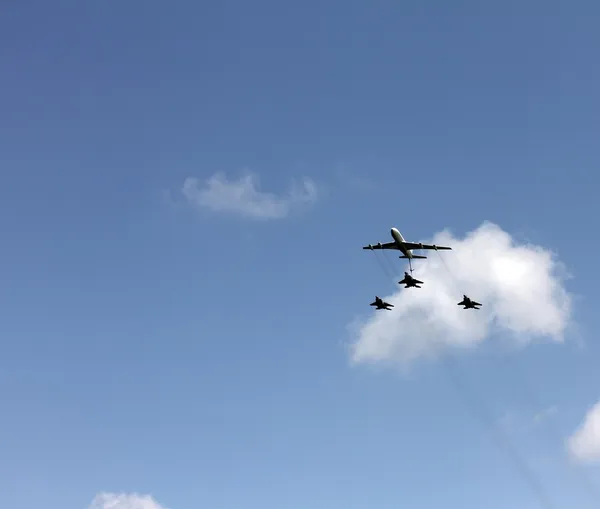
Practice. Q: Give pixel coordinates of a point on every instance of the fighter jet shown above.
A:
(468, 303)
(403, 246)
(410, 281)
(381, 304)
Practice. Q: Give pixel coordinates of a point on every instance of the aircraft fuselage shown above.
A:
(399, 240)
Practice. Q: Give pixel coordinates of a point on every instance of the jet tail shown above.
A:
(413, 256)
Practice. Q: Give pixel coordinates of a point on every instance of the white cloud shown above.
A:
(124, 501)
(521, 288)
(584, 444)
(242, 196)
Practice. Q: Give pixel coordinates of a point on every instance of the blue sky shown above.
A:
(155, 344)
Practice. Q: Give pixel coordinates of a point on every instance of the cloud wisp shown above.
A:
(520, 286)
(124, 501)
(243, 197)
(514, 421)
(584, 444)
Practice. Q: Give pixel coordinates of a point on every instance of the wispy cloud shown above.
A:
(521, 288)
(355, 180)
(545, 414)
(243, 197)
(584, 444)
(522, 422)
(124, 501)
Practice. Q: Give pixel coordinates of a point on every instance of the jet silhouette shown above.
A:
(410, 281)
(468, 303)
(381, 304)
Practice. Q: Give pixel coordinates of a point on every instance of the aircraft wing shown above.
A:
(416, 245)
(476, 303)
(379, 245)
(418, 282)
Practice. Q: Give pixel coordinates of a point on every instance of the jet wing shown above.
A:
(416, 245)
(418, 282)
(379, 245)
(476, 303)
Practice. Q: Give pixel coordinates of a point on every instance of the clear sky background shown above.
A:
(193, 342)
